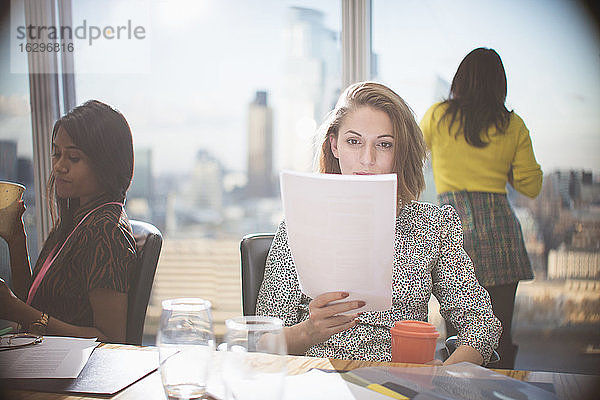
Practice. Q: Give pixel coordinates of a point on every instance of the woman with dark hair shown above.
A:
(80, 282)
(373, 131)
(477, 147)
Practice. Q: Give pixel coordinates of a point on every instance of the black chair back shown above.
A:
(452, 343)
(149, 242)
(254, 249)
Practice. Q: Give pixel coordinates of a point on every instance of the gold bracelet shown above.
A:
(40, 326)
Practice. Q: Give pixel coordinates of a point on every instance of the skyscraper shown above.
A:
(140, 197)
(207, 183)
(260, 147)
(141, 186)
(8, 160)
(312, 85)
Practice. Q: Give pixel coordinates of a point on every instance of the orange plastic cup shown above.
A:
(413, 342)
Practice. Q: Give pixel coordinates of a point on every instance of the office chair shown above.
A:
(254, 249)
(148, 242)
(452, 344)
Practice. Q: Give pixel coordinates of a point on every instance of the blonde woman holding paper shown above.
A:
(373, 131)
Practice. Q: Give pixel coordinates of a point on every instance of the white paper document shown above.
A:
(55, 357)
(317, 385)
(341, 234)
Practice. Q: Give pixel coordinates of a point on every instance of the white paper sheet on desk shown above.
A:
(55, 357)
(319, 385)
(341, 233)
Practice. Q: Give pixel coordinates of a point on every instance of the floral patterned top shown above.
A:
(428, 258)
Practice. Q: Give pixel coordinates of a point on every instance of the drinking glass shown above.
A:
(255, 365)
(186, 344)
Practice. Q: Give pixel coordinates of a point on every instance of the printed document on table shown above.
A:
(55, 357)
(320, 385)
(341, 234)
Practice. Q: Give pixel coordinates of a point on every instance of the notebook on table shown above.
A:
(107, 372)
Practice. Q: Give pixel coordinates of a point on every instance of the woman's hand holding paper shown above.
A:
(326, 318)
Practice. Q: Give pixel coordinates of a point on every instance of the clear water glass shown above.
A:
(255, 365)
(186, 344)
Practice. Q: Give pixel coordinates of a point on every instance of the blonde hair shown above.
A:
(409, 145)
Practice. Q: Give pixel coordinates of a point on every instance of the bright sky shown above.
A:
(207, 59)
(550, 50)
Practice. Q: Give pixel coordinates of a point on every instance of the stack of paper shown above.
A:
(316, 385)
(341, 234)
(55, 357)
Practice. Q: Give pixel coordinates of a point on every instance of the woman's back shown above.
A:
(457, 165)
(477, 146)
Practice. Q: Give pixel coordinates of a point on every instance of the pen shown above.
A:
(400, 389)
(386, 391)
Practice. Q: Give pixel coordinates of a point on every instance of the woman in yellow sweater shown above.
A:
(477, 147)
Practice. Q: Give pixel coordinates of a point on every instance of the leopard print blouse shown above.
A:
(428, 258)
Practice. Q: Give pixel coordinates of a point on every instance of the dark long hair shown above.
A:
(477, 97)
(103, 134)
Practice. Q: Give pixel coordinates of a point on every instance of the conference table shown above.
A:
(566, 385)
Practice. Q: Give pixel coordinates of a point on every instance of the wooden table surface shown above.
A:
(567, 386)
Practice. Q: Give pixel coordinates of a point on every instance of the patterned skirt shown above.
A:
(492, 236)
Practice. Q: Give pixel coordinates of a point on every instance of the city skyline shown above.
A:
(177, 110)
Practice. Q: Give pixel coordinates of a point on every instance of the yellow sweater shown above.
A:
(459, 166)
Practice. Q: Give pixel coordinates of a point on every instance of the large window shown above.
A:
(550, 53)
(223, 95)
(16, 152)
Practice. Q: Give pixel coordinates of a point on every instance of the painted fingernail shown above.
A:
(344, 295)
(361, 303)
